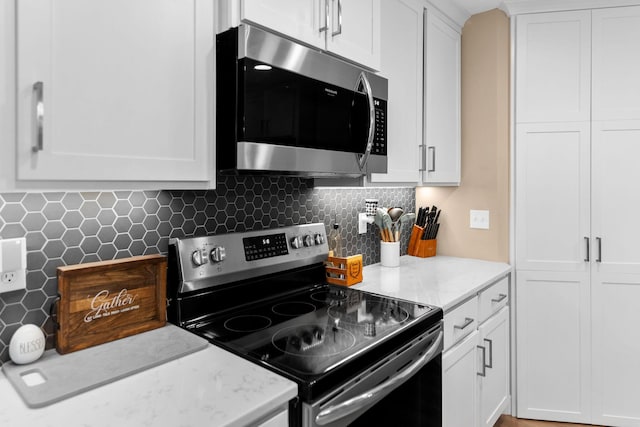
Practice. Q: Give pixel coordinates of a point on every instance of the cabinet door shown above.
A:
(552, 196)
(402, 64)
(616, 64)
(302, 20)
(442, 101)
(494, 386)
(616, 349)
(554, 346)
(354, 31)
(459, 384)
(126, 89)
(616, 196)
(553, 67)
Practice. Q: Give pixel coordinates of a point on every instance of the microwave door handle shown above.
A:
(364, 82)
(354, 404)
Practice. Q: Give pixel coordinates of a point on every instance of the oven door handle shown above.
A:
(334, 413)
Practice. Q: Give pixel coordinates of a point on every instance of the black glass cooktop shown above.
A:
(312, 332)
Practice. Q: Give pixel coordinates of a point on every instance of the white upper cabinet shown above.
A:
(347, 28)
(442, 99)
(354, 31)
(402, 35)
(553, 67)
(115, 90)
(616, 63)
(299, 19)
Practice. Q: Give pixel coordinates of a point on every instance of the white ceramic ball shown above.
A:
(27, 344)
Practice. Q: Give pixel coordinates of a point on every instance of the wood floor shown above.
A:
(507, 421)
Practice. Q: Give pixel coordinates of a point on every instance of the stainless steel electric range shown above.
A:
(358, 358)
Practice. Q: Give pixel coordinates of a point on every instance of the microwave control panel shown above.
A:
(380, 135)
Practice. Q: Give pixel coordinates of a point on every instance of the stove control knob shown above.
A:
(218, 254)
(198, 259)
(319, 239)
(308, 240)
(296, 242)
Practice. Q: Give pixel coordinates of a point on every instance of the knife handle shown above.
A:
(586, 239)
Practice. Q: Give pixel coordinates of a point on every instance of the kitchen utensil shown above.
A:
(377, 220)
(388, 224)
(395, 214)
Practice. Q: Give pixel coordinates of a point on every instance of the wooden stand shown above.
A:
(418, 247)
(344, 271)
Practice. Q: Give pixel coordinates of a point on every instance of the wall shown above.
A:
(485, 146)
(66, 228)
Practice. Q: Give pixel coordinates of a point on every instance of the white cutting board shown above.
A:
(55, 377)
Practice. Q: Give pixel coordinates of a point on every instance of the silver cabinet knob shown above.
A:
(218, 254)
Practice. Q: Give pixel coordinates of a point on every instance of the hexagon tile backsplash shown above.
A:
(66, 228)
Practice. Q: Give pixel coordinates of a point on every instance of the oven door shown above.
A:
(404, 389)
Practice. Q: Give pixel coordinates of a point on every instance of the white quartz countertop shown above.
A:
(211, 387)
(441, 280)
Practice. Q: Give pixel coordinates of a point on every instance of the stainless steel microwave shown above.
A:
(284, 108)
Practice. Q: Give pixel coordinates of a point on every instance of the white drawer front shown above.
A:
(494, 298)
(460, 322)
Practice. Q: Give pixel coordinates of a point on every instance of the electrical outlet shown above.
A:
(8, 277)
(479, 219)
(13, 264)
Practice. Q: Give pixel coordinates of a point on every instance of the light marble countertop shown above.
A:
(211, 387)
(441, 280)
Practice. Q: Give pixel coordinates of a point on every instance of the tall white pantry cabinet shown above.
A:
(577, 194)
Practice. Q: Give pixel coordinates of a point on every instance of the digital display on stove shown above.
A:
(267, 246)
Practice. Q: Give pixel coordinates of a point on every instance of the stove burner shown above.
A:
(329, 296)
(313, 340)
(387, 316)
(247, 323)
(293, 308)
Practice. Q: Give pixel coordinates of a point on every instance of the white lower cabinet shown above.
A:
(494, 385)
(476, 364)
(459, 388)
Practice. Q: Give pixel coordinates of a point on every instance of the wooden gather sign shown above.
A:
(108, 300)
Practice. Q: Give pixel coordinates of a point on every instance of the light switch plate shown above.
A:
(13, 264)
(479, 219)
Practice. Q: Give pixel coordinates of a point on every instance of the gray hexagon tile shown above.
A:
(66, 228)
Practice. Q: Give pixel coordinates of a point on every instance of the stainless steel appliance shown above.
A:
(358, 358)
(288, 109)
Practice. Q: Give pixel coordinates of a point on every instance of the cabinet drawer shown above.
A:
(460, 322)
(492, 299)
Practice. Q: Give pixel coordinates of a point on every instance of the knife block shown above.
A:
(345, 271)
(418, 247)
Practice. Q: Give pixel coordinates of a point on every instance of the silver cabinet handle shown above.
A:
(326, 16)
(432, 167)
(363, 83)
(599, 240)
(354, 404)
(500, 298)
(336, 33)
(38, 93)
(467, 322)
(483, 373)
(490, 364)
(423, 158)
(586, 239)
